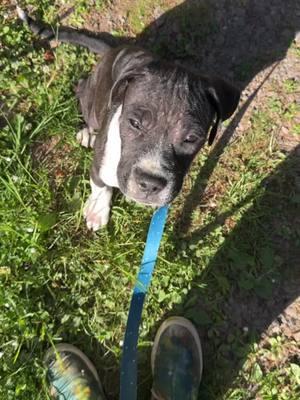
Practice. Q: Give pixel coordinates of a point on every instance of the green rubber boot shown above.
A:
(71, 375)
(176, 361)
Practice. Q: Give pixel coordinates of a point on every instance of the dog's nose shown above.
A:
(147, 183)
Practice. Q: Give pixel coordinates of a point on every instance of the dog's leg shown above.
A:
(86, 137)
(97, 207)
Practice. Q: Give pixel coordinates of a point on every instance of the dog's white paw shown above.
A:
(95, 219)
(85, 137)
(97, 208)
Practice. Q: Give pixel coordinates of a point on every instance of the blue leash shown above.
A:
(128, 388)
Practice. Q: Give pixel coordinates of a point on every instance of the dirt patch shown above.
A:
(113, 18)
(243, 311)
(271, 82)
(118, 16)
(56, 157)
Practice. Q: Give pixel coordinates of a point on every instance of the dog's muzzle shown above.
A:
(152, 188)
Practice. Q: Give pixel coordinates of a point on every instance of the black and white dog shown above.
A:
(145, 118)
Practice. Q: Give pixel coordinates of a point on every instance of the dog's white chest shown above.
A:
(112, 152)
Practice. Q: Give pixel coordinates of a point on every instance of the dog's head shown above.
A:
(166, 115)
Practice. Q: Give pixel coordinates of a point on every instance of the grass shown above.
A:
(60, 282)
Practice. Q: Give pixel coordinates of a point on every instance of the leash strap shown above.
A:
(128, 388)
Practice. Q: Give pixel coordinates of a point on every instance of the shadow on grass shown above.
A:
(255, 274)
(193, 198)
(250, 281)
(233, 39)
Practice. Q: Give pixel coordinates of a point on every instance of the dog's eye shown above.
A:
(135, 123)
(191, 139)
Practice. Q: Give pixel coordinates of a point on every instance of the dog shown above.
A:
(146, 120)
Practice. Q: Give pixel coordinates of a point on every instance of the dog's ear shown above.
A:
(127, 65)
(224, 99)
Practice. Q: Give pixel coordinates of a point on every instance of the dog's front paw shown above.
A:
(86, 137)
(97, 208)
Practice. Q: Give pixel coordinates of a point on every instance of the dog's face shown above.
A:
(165, 119)
(160, 136)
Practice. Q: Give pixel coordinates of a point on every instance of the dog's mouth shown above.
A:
(159, 199)
(155, 189)
(146, 202)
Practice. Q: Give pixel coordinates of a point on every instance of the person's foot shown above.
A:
(176, 361)
(71, 375)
